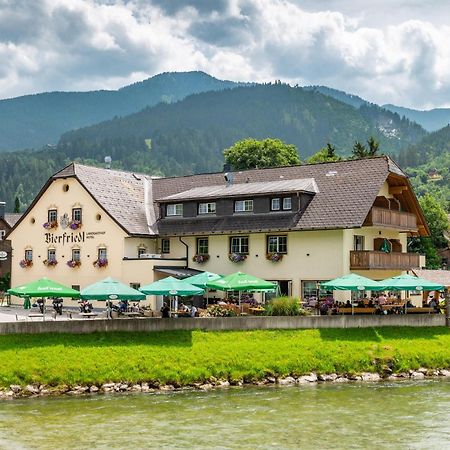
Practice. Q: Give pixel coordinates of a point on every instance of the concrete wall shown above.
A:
(85, 326)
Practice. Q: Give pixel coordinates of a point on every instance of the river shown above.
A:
(400, 415)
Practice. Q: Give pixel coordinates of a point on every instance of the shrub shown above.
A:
(218, 311)
(285, 306)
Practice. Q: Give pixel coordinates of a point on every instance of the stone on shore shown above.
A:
(286, 381)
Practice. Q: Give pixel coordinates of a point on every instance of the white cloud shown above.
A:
(88, 44)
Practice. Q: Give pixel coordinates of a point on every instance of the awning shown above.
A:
(177, 272)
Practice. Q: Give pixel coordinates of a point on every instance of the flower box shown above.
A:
(72, 263)
(50, 262)
(75, 225)
(25, 263)
(100, 262)
(237, 257)
(200, 259)
(274, 257)
(50, 225)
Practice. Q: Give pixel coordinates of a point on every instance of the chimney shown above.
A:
(2, 210)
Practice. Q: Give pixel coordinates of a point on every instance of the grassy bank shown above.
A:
(184, 357)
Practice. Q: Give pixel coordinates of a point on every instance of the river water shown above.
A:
(401, 415)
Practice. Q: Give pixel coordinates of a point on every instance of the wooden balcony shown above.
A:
(369, 259)
(388, 218)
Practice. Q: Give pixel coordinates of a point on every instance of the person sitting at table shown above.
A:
(165, 310)
(348, 304)
(370, 304)
(182, 308)
(361, 303)
(382, 299)
(409, 304)
(193, 311)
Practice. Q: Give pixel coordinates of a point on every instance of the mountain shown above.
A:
(431, 120)
(350, 99)
(189, 136)
(32, 121)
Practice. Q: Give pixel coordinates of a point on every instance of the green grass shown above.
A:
(185, 357)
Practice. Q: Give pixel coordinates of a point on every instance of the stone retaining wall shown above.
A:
(85, 326)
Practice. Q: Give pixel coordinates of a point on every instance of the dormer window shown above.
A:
(243, 206)
(207, 208)
(175, 209)
(287, 203)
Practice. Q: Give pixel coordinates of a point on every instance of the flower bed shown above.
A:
(100, 263)
(237, 257)
(25, 263)
(200, 259)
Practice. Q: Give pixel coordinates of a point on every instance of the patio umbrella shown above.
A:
(240, 281)
(410, 283)
(352, 282)
(110, 289)
(385, 246)
(171, 286)
(201, 279)
(44, 288)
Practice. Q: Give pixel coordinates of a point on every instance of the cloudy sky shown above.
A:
(387, 51)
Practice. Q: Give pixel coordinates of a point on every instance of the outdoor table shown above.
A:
(256, 311)
(88, 315)
(132, 314)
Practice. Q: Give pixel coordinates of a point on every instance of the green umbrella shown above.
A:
(240, 281)
(352, 282)
(171, 286)
(44, 288)
(385, 247)
(109, 289)
(201, 279)
(410, 283)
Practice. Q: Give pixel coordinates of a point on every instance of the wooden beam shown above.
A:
(397, 189)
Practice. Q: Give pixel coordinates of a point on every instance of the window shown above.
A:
(243, 206)
(358, 243)
(76, 214)
(276, 244)
(51, 254)
(239, 244)
(207, 208)
(76, 254)
(135, 285)
(275, 204)
(102, 253)
(141, 251)
(28, 255)
(165, 245)
(76, 287)
(202, 246)
(312, 290)
(174, 210)
(52, 215)
(2, 234)
(287, 203)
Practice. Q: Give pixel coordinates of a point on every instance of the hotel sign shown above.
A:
(71, 238)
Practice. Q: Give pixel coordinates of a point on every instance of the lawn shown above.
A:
(185, 357)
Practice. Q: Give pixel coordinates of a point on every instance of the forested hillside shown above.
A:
(431, 120)
(32, 121)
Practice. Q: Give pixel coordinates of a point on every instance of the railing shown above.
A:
(391, 218)
(369, 259)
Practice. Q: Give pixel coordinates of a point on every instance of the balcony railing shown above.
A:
(369, 259)
(383, 217)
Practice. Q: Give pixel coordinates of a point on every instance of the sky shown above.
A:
(395, 51)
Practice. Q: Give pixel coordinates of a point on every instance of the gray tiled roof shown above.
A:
(345, 193)
(12, 218)
(245, 189)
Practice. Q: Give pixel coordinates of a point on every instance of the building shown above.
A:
(7, 221)
(296, 225)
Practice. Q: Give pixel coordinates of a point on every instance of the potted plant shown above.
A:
(75, 224)
(73, 263)
(101, 262)
(50, 262)
(274, 257)
(25, 263)
(200, 259)
(237, 257)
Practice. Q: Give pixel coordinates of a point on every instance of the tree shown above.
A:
(361, 151)
(251, 153)
(436, 218)
(17, 205)
(325, 154)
